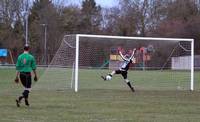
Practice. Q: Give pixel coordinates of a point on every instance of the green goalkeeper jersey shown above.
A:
(25, 63)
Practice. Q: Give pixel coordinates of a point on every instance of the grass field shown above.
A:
(155, 99)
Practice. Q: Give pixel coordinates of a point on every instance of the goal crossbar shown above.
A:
(138, 38)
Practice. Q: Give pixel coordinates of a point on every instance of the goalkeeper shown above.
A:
(24, 66)
(123, 70)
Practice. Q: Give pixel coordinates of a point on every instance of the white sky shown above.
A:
(103, 3)
(106, 3)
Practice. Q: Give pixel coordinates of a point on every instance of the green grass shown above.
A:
(103, 101)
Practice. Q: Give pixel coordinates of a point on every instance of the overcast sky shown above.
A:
(103, 3)
(106, 3)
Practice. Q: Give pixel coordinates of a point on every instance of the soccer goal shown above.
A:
(160, 63)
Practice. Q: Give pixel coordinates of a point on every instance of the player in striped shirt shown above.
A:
(123, 69)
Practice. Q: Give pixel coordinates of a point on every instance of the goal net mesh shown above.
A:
(158, 65)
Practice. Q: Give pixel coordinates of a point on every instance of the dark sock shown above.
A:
(129, 84)
(26, 102)
(25, 95)
(20, 98)
(17, 103)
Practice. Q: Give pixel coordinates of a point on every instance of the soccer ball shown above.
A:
(108, 77)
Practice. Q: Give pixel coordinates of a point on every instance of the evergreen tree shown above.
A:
(90, 17)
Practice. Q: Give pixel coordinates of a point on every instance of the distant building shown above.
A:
(184, 62)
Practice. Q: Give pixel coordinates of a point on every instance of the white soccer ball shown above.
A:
(108, 77)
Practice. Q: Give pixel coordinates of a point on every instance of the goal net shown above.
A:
(159, 63)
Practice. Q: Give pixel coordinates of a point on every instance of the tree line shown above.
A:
(154, 18)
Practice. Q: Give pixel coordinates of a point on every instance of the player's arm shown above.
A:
(132, 56)
(17, 70)
(121, 55)
(17, 77)
(35, 73)
(33, 65)
(125, 59)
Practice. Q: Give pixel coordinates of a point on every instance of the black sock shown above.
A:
(129, 84)
(25, 94)
(26, 101)
(20, 98)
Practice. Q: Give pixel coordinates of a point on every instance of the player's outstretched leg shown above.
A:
(103, 77)
(129, 84)
(109, 76)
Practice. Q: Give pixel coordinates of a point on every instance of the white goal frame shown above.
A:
(77, 36)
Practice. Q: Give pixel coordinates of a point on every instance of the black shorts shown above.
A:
(25, 78)
(123, 73)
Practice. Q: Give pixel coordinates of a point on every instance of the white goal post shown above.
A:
(78, 36)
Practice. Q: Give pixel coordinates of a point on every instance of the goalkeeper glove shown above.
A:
(16, 80)
(35, 78)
